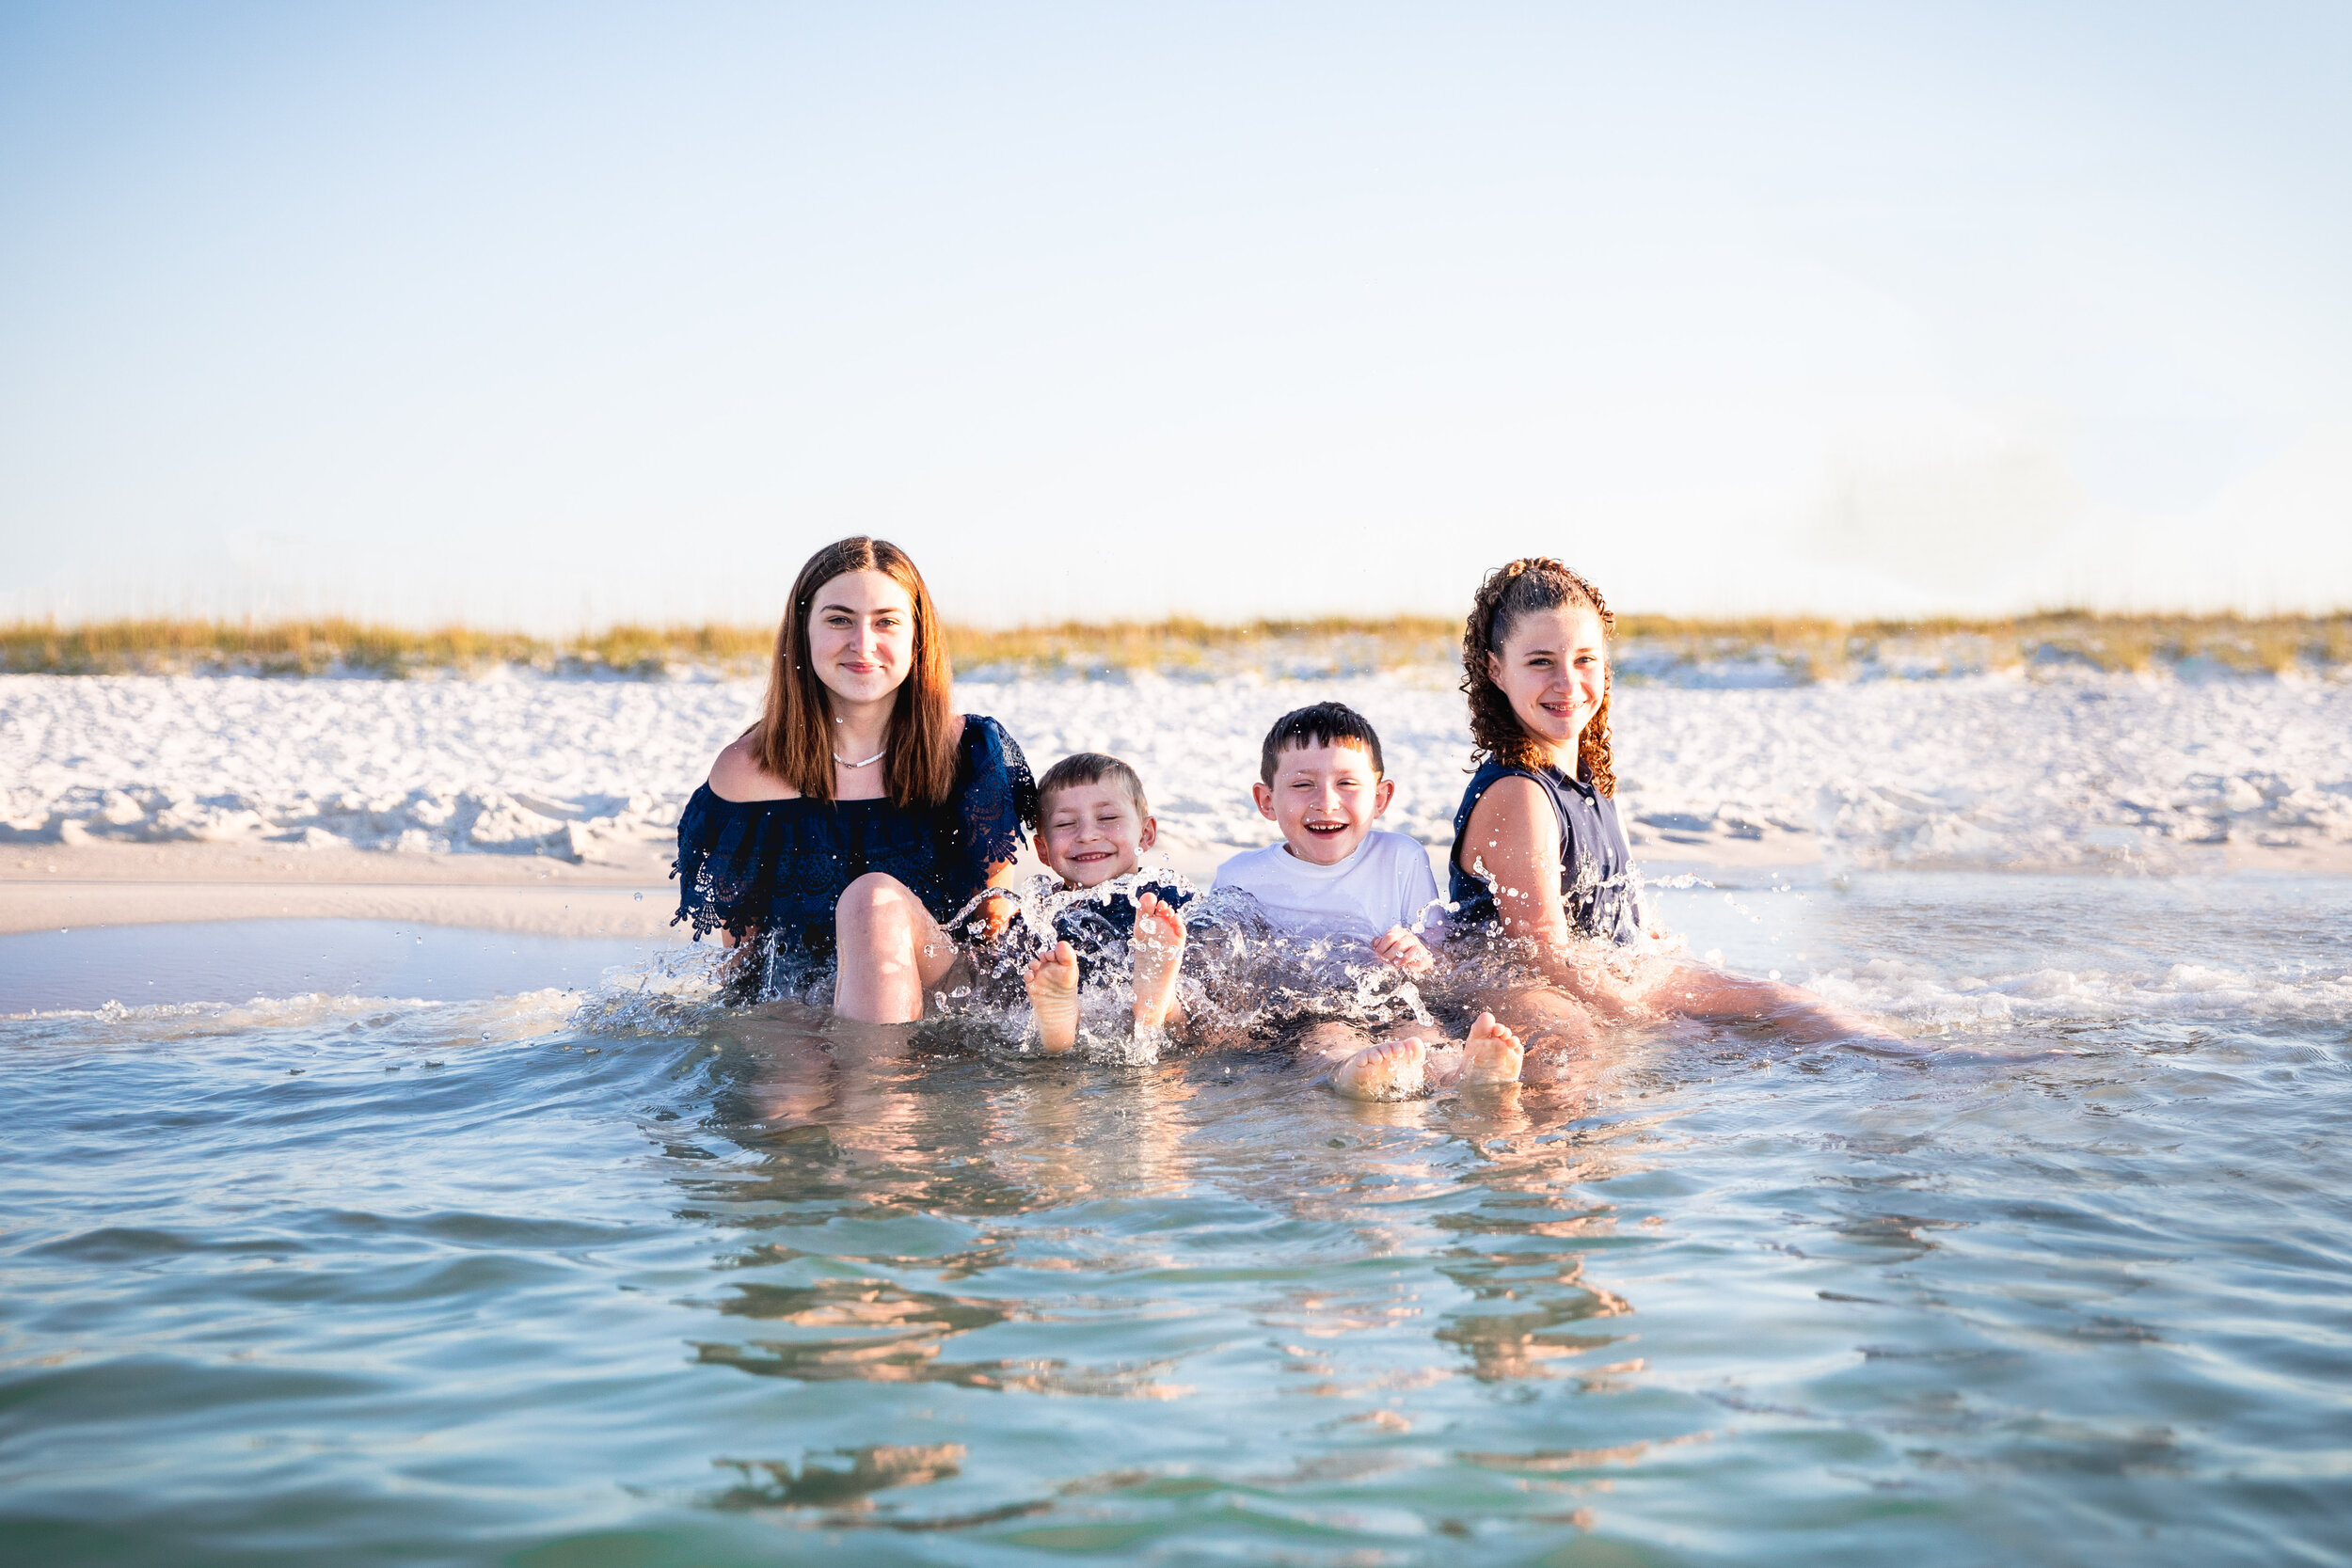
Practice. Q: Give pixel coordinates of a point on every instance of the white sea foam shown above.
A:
(1926, 999)
(1986, 771)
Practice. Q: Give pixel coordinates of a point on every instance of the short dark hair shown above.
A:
(1321, 724)
(1086, 767)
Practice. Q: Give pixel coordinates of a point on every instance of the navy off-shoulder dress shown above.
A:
(771, 871)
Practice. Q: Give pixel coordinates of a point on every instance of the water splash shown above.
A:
(679, 992)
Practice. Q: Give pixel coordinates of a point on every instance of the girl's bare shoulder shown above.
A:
(1511, 812)
(1513, 795)
(737, 775)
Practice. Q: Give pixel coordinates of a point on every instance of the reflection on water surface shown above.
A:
(2068, 1288)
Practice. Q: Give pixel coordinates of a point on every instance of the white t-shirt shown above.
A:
(1385, 882)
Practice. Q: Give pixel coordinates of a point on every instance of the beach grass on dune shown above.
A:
(335, 645)
(1799, 649)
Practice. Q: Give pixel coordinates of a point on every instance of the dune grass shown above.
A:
(1829, 650)
(1187, 645)
(341, 647)
(1649, 647)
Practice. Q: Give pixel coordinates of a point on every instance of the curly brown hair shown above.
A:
(1532, 583)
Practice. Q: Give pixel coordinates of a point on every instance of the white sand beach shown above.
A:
(521, 803)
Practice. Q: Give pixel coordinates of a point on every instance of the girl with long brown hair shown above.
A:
(861, 813)
(1538, 851)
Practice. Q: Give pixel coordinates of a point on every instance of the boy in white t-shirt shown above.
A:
(1335, 874)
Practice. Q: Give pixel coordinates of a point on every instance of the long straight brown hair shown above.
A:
(794, 736)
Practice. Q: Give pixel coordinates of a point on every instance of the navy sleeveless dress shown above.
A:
(1595, 861)
(774, 869)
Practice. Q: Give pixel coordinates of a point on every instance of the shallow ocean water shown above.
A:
(331, 1278)
(232, 960)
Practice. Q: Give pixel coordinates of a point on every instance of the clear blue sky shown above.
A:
(541, 314)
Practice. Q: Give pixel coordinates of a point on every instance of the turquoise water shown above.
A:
(327, 1278)
(140, 965)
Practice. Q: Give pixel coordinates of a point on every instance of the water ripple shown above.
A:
(2068, 1288)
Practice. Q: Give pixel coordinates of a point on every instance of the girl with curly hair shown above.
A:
(1538, 851)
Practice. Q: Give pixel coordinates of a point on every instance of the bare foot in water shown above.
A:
(1391, 1071)
(1053, 985)
(1492, 1053)
(1159, 949)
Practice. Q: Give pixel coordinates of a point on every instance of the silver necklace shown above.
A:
(867, 763)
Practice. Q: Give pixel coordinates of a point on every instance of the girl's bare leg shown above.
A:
(892, 951)
(1700, 990)
(1555, 1029)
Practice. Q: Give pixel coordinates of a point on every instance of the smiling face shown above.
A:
(860, 636)
(1553, 668)
(1324, 798)
(1089, 834)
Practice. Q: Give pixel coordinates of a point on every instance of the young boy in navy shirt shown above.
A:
(1094, 824)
